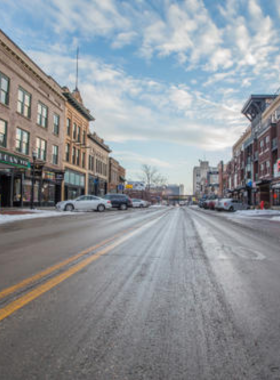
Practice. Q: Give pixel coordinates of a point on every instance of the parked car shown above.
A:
(229, 204)
(85, 203)
(139, 203)
(120, 201)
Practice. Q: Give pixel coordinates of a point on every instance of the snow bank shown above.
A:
(32, 214)
(258, 214)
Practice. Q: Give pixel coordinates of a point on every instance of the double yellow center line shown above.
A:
(54, 281)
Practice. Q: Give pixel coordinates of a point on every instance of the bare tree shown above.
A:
(151, 176)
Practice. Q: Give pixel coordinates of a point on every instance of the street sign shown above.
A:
(120, 187)
(129, 186)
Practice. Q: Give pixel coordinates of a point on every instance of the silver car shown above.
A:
(229, 204)
(139, 203)
(85, 203)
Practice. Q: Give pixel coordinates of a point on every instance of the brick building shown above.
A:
(98, 165)
(75, 161)
(32, 110)
(253, 174)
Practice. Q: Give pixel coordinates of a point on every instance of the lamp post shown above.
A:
(34, 156)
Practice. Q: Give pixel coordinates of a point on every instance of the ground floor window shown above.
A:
(27, 188)
(47, 192)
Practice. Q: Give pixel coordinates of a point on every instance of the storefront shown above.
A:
(97, 186)
(74, 184)
(16, 183)
(263, 194)
(12, 172)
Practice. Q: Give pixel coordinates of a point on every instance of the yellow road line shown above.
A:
(41, 289)
(4, 293)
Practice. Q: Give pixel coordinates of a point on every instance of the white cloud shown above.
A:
(132, 157)
(123, 39)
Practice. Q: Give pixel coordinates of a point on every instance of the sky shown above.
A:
(165, 80)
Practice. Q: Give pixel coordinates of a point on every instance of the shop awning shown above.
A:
(276, 186)
(122, 178)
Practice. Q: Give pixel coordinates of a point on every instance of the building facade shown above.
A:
(253, 173)
(32, 110)
(75, 161)
(98, 165)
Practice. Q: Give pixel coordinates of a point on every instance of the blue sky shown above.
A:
(165, 80)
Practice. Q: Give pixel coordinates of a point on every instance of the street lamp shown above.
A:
(34, 156)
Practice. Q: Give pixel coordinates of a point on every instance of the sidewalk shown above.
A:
(8, 215)
(22, 211)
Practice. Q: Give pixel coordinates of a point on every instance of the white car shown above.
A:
(230, 204)
(139, 203)
(85, 203)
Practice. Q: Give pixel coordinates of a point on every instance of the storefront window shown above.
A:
(27, 186)
(82, 181)
(17, 189)
(67, 176)
(47, 192)
(74, 178)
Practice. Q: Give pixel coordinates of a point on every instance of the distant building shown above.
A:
(172, 190)
(181, 190)
(200, 178)
(98, 171)
(136, 185)
(116, 177)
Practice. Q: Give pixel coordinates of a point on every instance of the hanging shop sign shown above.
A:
(48, 175)
(59, 176)
(12, 159)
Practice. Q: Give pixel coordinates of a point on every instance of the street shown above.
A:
(171, 293)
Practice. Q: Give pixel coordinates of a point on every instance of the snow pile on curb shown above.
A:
(274, 214)
(32, 214)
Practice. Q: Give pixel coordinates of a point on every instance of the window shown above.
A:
(55, 154)
(42, 117)
(3, 133)
(24, 103)
(262, 167)
(79, 134)
(41, 148)
(267, 140)
(84, 137)
(67, 152)
(83, 159)
(90, 163)
(22, 141)
(74, 155)
(4, 89)
(68, 127)
(55, 124)
(74, 131)
(78, 157)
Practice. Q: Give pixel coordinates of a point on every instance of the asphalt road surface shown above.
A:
(160, 294)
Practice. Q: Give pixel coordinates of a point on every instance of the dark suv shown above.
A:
(120, 201)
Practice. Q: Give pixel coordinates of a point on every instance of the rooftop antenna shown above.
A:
(77, 68)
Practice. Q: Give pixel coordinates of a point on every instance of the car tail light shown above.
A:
(225, 204)
(108, 201)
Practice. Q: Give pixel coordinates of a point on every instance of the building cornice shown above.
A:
(16, 52)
